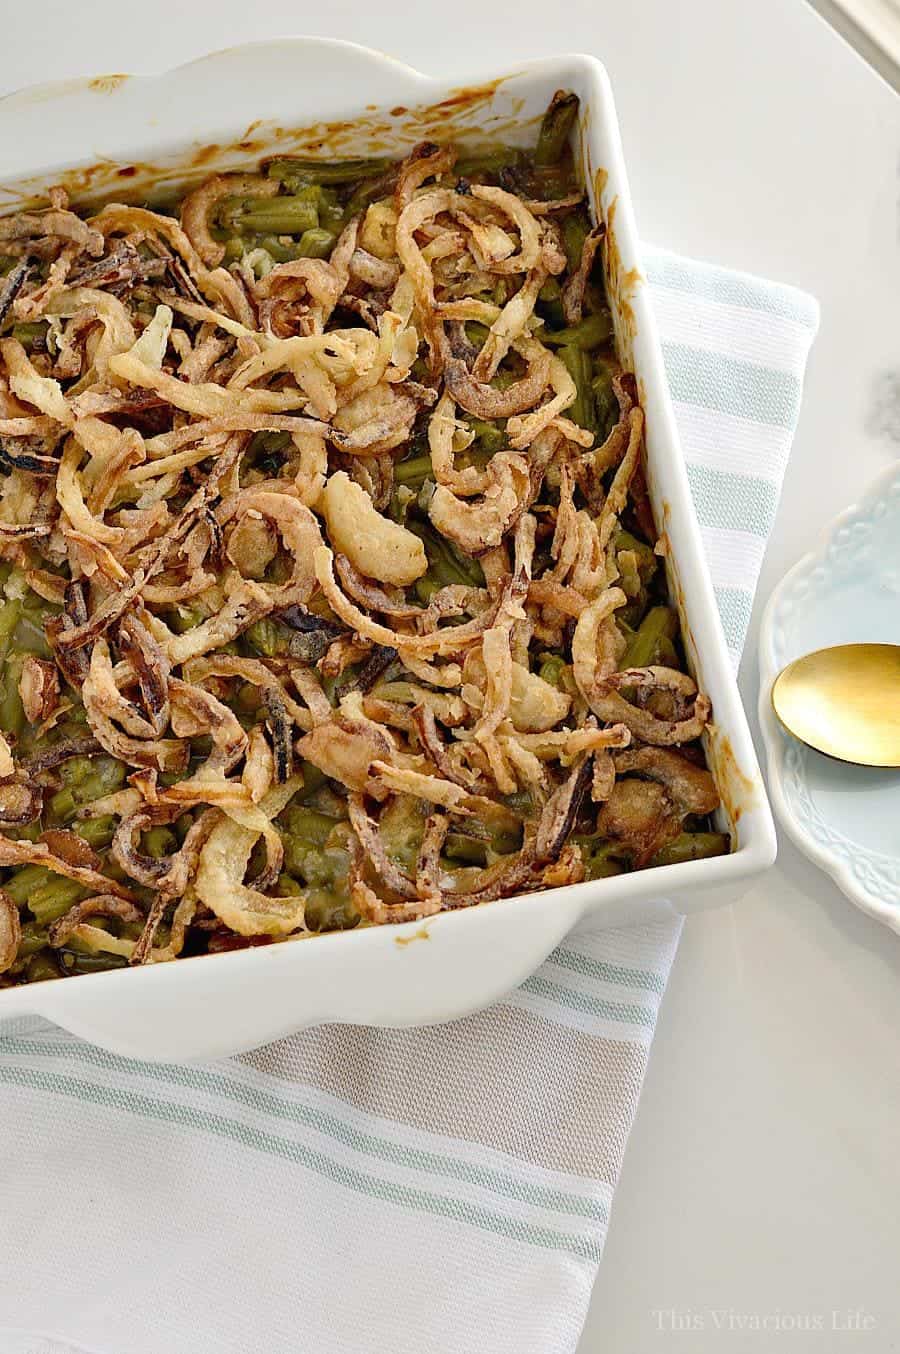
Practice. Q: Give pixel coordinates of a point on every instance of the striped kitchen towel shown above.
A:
(359, 1191)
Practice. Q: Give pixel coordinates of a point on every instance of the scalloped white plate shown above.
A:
(845, 818)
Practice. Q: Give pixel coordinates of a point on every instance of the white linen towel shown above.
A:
(359, 1191)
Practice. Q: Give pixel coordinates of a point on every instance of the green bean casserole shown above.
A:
(331, 594)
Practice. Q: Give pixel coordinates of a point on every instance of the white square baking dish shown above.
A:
(117, 136)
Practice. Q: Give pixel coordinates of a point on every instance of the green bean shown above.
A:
(34, 938)
(53, 900)
(76, 962)
(605, 402)
(76, 770)
(576, 227)
(23, 881)
(578, 365)
(62, 805)
(667, 654)
(309, 825)
(31, 335)
(329, 910)
(490, 437)
(316, 243)
(287, 887)
(444, 572)
(266, 446)
(550, 304)
(317, 868)
(556, 127)
(330, 686)
(278, 252)
(331, 213)
(489, 161)
(602, 859)
(91, 778)
(40, 967)
(9, 619)
(466, 850)
(602, 867)
(29, 637)
(266, 637)
(425, 588)
(365, 193)
(290, 170)
(313, 780)
(693, 846)
(159, 842)
(182, 618)
(97, 832)
(648, 561)
(476, 332)
(12, 715)
(659, 623)
(551, 669)
(593, 331)
(414, 471)
(630, 577)
(273, 215)
(446, 564)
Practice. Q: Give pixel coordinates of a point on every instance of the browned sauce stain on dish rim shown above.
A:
(421, 934)
(736, 788)
(107, 84)
(378, 132)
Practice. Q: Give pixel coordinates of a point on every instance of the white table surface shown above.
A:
(762, 1182)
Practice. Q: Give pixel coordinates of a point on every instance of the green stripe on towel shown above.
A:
(219, 1125)
(733, 502)
(732, 386)
(728, 288)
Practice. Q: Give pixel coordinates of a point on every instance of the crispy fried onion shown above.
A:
(346, 747)
(448, 641)
(297, 527)
(136, 741)
(75, 924)
(219, 881)
(608, 703)
(38, 853)
(480, 526)
(198, 206)
(597, 646)
(38, 688)
(169, 875)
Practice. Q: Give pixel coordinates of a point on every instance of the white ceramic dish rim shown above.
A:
(777, 741)
(460, 978)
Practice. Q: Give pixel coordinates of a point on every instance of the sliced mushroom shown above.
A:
(690, 786)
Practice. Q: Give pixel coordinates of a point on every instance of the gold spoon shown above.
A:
(844, 701)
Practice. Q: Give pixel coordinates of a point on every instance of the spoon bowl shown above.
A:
(844, 701)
